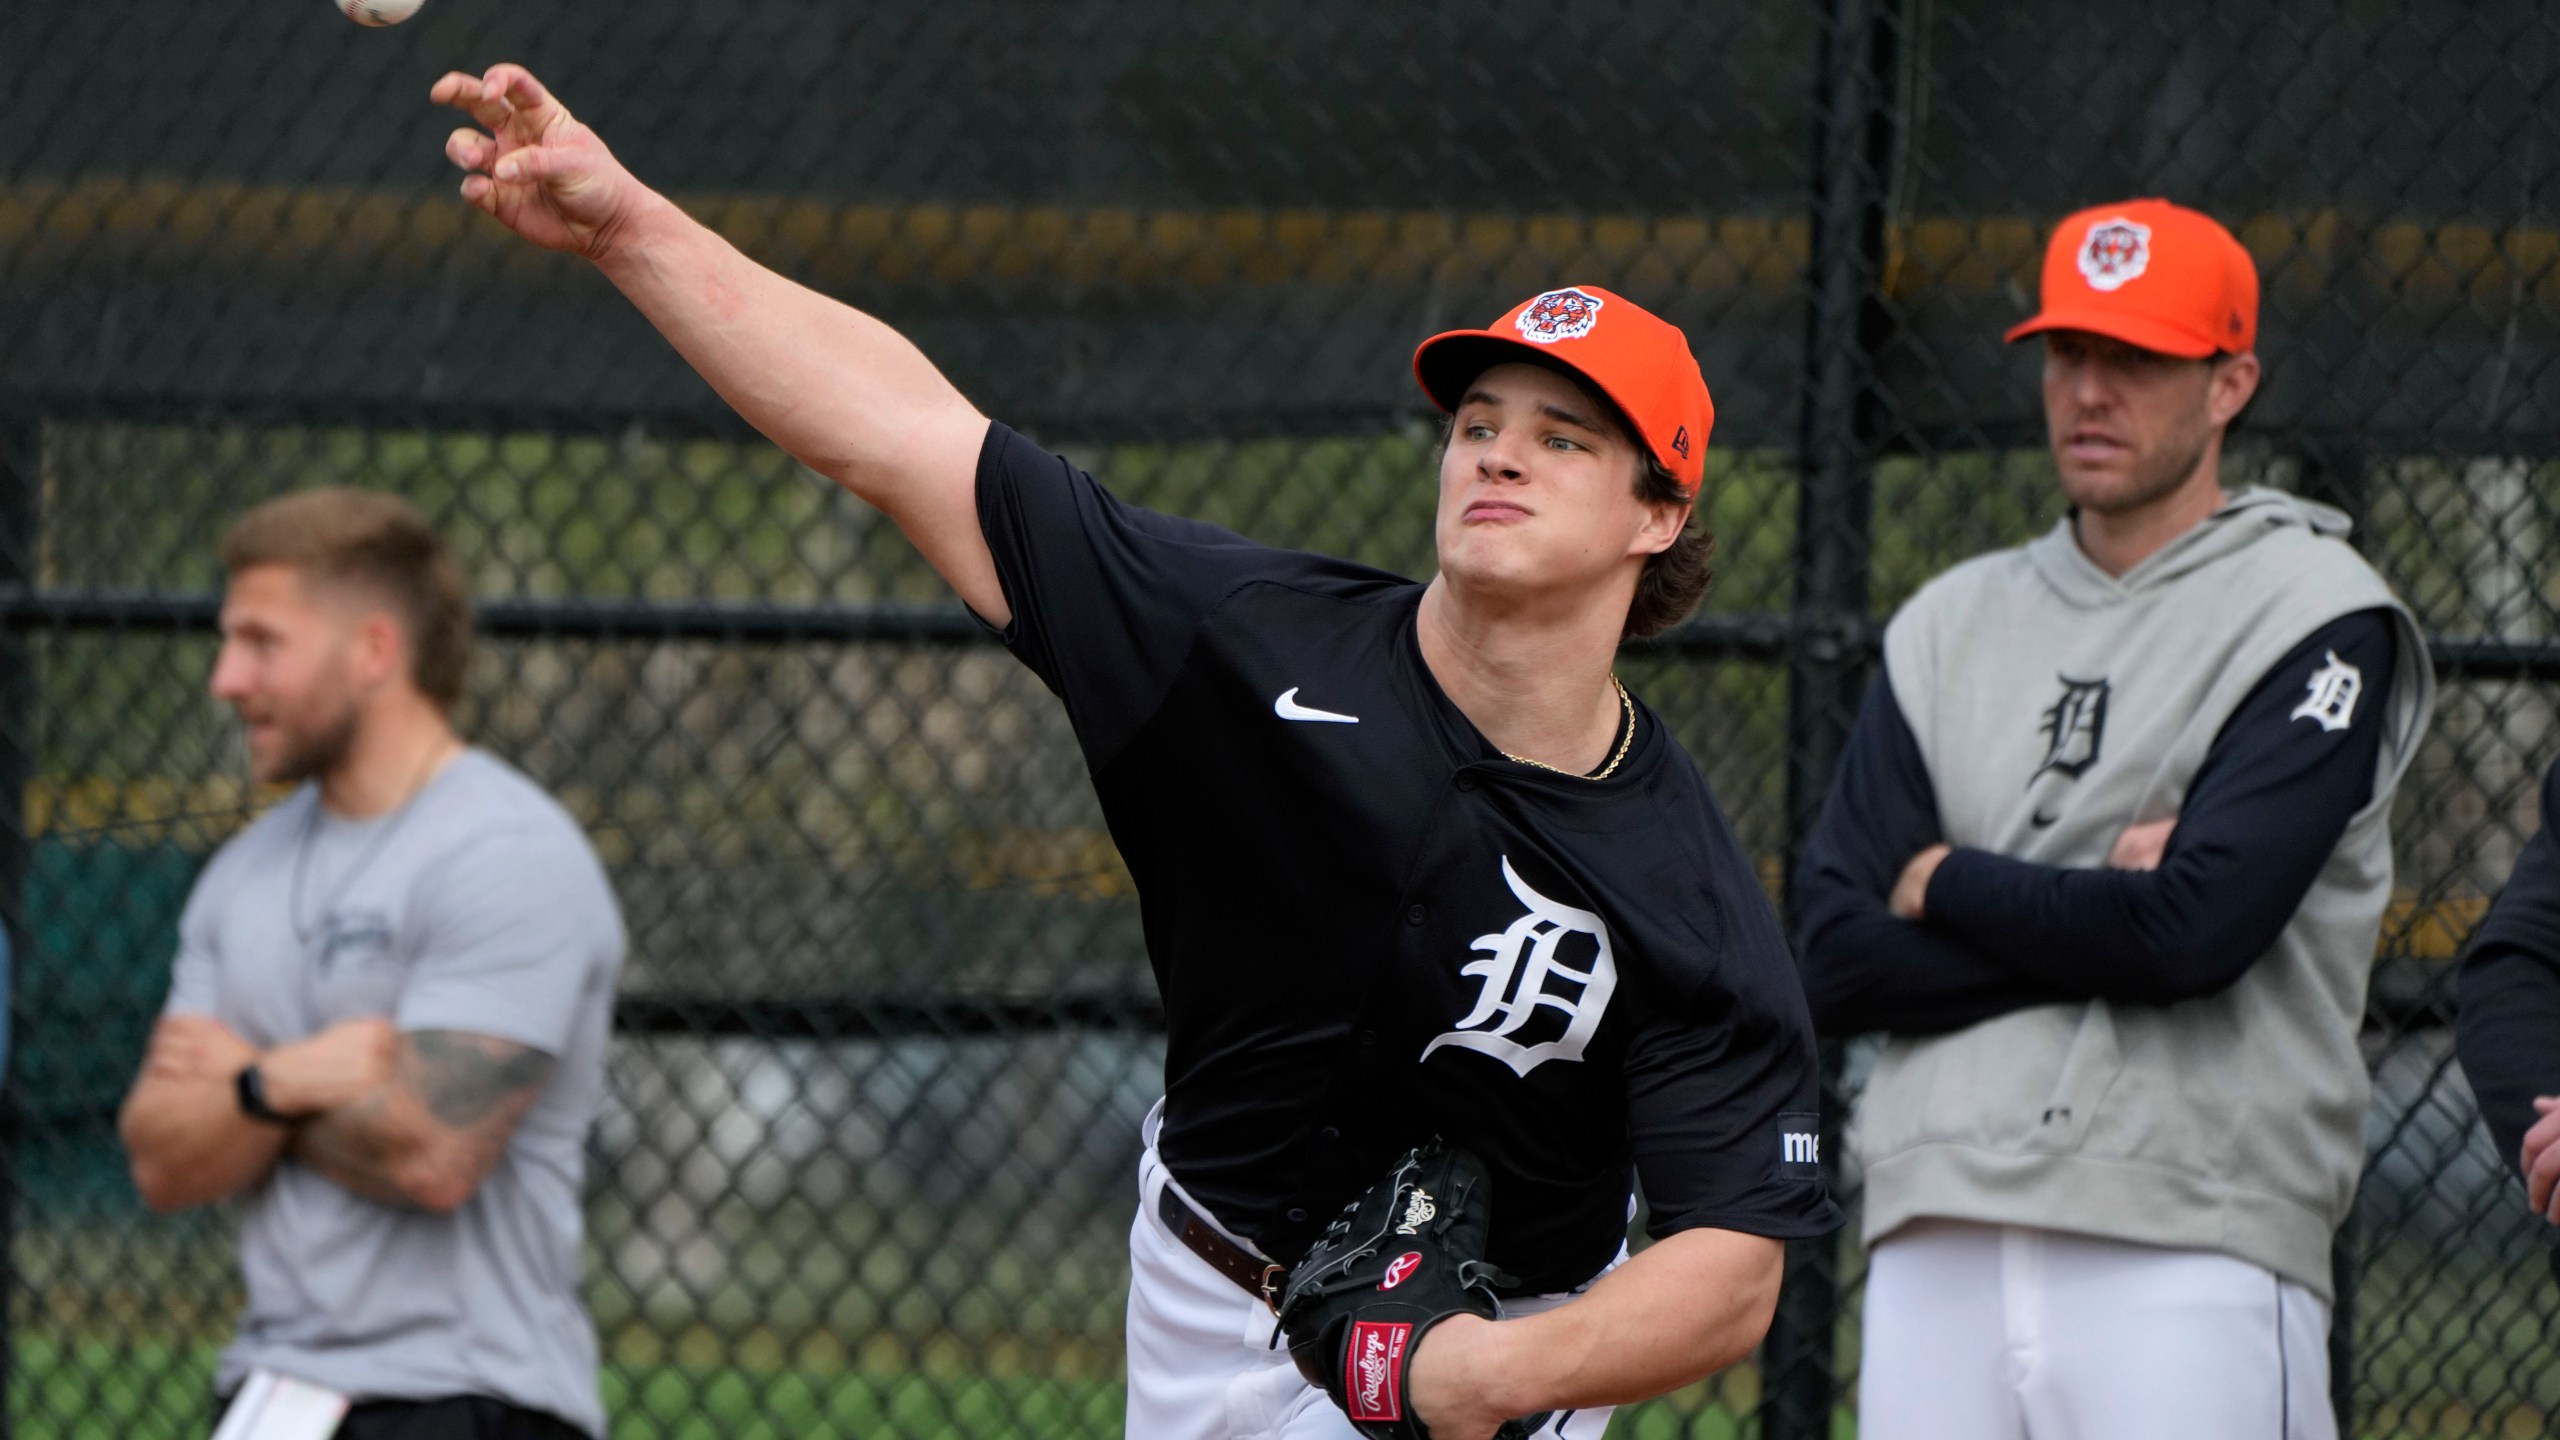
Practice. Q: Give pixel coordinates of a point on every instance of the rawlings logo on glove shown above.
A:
(1377, 1357)
(1400, 1267)
(1399, 1260)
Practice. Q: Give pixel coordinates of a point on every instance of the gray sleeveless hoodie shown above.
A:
(2232, 1123)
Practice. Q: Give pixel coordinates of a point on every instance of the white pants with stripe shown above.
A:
(1990, 1332)
(1202, 1365)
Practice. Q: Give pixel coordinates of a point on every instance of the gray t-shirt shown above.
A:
(480, 907)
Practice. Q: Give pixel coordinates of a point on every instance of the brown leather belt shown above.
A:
(1254, 1275)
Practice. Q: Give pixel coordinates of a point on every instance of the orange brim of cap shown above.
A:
(1447, 363)
(2139, 330)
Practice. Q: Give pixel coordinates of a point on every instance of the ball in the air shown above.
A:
(379, 12)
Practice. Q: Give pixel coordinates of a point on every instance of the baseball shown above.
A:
(379, 12)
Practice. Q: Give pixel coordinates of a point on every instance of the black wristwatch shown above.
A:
(253, 1097)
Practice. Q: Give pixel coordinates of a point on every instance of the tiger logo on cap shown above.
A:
(2116, 251)
(1559, 315)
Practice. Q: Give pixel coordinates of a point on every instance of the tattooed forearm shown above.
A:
(430, 1135)
(354, 1146)
(466, 1078)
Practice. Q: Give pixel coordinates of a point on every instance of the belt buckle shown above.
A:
(1269, 1287)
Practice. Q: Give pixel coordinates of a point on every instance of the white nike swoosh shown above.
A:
(1288, 708)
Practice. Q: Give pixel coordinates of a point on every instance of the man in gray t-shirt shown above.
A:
(387, 1023)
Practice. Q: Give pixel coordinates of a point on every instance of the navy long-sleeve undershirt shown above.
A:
(2508, 1027)
(1864, 969)
(2262, 816)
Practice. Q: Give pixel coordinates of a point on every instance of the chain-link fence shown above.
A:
(887, 1033)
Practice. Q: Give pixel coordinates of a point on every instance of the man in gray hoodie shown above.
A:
(2105, 864)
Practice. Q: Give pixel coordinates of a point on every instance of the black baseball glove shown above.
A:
(1400, 1259)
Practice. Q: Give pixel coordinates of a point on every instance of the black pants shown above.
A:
(456, 1417)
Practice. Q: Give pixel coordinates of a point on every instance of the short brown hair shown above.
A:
(378, 542)
(1675, 578)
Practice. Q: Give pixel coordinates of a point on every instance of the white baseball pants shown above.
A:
(1202, 1365)
(1992, 1332)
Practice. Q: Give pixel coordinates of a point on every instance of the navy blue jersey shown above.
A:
(1370, 927)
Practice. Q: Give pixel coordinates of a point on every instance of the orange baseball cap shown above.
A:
(2152, 274)
(1636, 358)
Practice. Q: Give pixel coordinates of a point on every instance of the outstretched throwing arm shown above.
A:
(845, 394)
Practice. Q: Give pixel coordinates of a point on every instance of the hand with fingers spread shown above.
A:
(544, 175)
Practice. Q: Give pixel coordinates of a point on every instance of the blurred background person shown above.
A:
(386, 1025)
(2507, 1028)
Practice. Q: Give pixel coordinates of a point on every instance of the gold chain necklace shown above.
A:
(1626, 703)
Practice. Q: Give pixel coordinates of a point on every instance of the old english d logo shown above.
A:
(1520, 963)
(2074, 728)
(2334, 689)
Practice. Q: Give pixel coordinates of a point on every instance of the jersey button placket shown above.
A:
(1416, 915)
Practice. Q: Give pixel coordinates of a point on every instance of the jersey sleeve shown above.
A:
(194, 987)
(1106, 597)
(1724, 1082)
(2507, 1029)
(520, 938)
(1864, 967)
(2275, 791)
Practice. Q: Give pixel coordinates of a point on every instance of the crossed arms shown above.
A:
(415, 1119)
(1905, 935)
